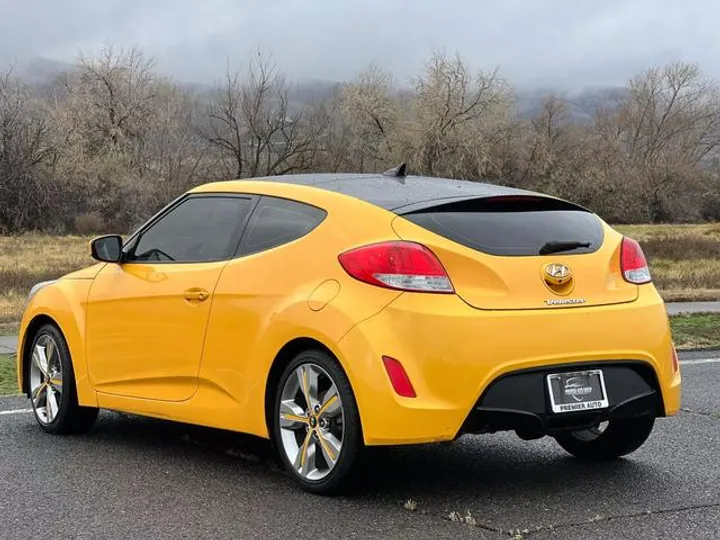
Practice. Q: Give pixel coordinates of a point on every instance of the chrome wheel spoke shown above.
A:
(308, 378)
(331, 405)
(309, 468)
(40, 359)
(330, 446)
(292, 416)
(50, 351)
(302, 456)
(51, 404)
(38, 393)
(56, 381)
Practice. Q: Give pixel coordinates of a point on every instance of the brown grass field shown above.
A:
(28, 259)
(684, 259)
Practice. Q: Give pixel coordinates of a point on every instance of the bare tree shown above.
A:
(26, 152)
(174, 154)
(369, 113)
(456, 115)
(113, 96)
(256, 128)
(664, 133)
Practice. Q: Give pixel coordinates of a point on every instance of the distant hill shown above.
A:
(41, 71)
(581, 104)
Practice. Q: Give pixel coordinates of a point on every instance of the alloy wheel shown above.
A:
(312, 422)
(46, 379)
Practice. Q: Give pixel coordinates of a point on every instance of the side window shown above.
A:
(279, 221)
(199, 229)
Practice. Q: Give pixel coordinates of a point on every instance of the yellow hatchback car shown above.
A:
(332, 312)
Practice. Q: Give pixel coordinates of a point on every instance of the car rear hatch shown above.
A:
(521, 252)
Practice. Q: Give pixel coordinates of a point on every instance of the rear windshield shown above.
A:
(514, 226)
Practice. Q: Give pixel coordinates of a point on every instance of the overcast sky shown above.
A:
(559, 43)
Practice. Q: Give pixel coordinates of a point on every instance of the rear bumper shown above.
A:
(518, 401)
(456, 357)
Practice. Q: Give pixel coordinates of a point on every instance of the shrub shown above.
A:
(90, 223)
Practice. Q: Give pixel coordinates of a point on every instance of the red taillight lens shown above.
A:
(398, 378)
(406, 266)
(675, 362)
(633, 263)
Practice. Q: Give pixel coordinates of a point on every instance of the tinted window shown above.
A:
(513, 226)
(198, 229)
(279, 221)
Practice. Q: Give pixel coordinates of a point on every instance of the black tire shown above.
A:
(352, 442)
(620, 438)
(71, 418)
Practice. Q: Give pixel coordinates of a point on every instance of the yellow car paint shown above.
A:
(197, 342)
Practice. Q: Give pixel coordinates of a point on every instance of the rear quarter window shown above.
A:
(513, 226)
(278, 221)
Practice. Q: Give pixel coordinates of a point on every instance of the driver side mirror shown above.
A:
(107, 248)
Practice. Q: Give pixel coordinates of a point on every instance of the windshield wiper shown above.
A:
(557, 247)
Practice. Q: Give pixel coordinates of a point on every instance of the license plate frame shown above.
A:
(577, 391)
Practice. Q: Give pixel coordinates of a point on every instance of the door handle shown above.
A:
(196, 295)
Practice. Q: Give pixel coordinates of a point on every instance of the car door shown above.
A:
(147, 316)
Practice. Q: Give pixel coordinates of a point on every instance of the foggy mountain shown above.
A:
(40, 72)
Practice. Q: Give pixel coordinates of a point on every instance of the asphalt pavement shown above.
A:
(133, 477)
(8, 344)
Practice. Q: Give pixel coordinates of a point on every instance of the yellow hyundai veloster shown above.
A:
(332, 312)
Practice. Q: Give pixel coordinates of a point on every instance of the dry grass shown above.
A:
(685, 262)
(28, 259)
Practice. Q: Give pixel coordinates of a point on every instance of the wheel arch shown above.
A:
(283, 357)
(63, 305)
(37, 322)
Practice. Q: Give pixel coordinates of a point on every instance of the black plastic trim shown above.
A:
(518, 401)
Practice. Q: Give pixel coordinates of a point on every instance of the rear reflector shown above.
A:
(633, 263)
(675, 362)
(405, 266)
(399, 379)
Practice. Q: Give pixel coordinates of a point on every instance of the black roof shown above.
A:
(399, 194)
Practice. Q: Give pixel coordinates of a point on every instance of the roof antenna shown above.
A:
(397, 172)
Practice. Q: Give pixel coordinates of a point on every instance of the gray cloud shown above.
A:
(549, 42)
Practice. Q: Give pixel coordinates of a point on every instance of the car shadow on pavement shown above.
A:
(497, 466)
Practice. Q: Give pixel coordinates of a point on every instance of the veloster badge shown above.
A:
(563, 301)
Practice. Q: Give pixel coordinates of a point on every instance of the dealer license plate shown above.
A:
(577, 391)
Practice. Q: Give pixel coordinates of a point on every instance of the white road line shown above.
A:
(16, 411)
(700, 361)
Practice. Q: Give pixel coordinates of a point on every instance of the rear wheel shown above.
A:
(316, 424)
(609, 440)
(52, 385)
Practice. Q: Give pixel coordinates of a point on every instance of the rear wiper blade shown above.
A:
(557, 247)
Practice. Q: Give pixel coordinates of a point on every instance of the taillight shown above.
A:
(633, 263)
(405, 266)
(675, 362)
(398, 377)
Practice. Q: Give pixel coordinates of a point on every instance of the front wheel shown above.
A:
(316, 424)
(609, 440)
(52, 385)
